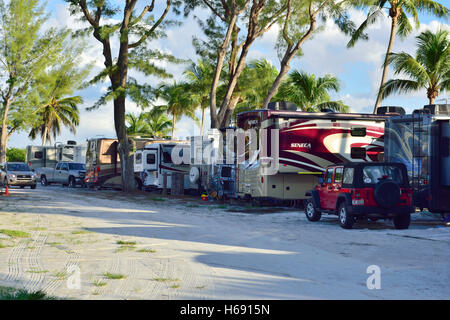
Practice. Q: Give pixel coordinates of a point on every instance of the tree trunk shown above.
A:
(220, 61)
(394, 16)
(174, 119)
(203, 121)
(229, 112)
(4, 133)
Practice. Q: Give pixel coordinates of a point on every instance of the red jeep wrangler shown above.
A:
(358, 190)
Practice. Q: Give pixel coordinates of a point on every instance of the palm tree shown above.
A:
(159, 124)
(179, 102)
(137, 124)
(200, 78)
(398, 11)
(430, 69)
(54, 114)
(309, 93)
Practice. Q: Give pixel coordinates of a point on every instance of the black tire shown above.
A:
(33, 187)
(44, 181)
(71, 183)
(311, 212)
(346, 220)
(402, 221)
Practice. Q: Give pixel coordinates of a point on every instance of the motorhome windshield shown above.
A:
(77, 166)
(17, 167)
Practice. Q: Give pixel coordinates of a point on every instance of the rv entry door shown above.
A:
(151, 160)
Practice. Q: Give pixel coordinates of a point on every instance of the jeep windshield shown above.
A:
(374, 174)
(77, 166)
(17, 167)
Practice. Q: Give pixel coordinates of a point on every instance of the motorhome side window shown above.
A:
(58, 166)
(348, 175)
(358, 132)
(138, 158)
(38, 155)
(151, 159)
(329, 176)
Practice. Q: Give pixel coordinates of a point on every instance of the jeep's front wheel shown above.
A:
(345, 219)
(402, 221)
(311, 212)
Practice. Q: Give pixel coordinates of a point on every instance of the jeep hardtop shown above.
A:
(358, 190)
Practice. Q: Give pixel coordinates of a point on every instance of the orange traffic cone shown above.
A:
(7, 191)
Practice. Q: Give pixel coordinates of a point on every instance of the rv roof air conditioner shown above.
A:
(386, 110)
(282, 105)
(327, 110)
(438, 109)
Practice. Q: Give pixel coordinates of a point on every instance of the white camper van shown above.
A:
(155, 160)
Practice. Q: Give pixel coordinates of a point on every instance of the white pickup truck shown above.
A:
(66, 173)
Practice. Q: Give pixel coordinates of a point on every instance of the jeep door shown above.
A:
(325, 188)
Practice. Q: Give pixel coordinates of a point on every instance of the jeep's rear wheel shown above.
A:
(402, 221)
(345, 219)
(311, 212)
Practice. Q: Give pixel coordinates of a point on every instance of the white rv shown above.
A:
(49, 156)
(155, 160)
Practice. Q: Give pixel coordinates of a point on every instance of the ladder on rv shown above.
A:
(420, 152)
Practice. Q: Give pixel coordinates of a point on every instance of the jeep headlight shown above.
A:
(11, 176)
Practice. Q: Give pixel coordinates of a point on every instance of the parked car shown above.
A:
(17, 174)
(66, 173)
(360, 190)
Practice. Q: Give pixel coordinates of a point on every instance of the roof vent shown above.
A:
(282, 105)
(438, 108)
(390, 110)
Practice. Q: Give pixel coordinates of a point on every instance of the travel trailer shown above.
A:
(154, 160)
(421, 141)
(103, 162)
(302, 145)
(208, 173)
(49, 156)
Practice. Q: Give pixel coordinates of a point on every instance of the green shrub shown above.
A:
(15, 155)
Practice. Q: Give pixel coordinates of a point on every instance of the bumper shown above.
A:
(12, 182)
(381, 212)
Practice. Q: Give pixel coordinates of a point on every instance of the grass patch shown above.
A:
(175, 286)
(193, 206)
(99, 283)
(201, 287)
(126, 243)
(38, 229)
(62, 275)
(80, 232)
(165, 279)
(223, 206)
(9, 293)
(15, 233)
(114, 276)
(146, 250)
(125, 248)
(158, 199)
(37, 271)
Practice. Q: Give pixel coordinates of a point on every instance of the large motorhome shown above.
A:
(154, 160)
(305, 144)
(49, 156)
(103, 162)
(421, 141)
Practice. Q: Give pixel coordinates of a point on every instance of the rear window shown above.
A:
(373, 174)
(348, 175)
(77, 166)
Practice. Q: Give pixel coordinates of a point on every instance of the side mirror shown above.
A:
(320, 180)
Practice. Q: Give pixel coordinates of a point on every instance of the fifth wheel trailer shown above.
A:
(421, 141)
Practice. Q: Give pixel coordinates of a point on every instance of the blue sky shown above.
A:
(358, 69)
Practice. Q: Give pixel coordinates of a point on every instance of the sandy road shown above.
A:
(185, 249)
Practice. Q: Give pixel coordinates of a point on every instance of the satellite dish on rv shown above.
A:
(194, 174)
